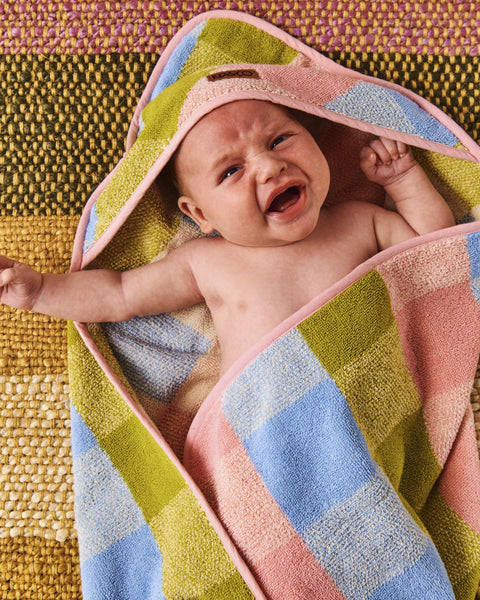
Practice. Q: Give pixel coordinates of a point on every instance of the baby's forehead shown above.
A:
(225, 113)
(237, 116)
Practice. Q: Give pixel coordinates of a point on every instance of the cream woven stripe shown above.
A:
(36, 481)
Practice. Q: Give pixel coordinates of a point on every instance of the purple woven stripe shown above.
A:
(447, 28)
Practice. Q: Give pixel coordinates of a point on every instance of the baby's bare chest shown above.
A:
(254, 299)
(274, 284)
(251, 291)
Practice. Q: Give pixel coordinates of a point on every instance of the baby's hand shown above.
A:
(386, 161)
(20, 285)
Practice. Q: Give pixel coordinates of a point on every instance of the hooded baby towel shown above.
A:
(337, 458)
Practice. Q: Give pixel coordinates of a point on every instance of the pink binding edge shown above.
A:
(80, 261)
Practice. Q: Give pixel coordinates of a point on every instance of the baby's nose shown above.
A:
(268, 165)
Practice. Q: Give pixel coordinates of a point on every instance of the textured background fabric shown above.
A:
(70, 77)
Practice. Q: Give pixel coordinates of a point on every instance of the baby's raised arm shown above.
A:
(101, 295)
(421, 207)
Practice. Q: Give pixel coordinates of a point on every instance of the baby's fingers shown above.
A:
(7, 276)
(8, 270)
(389, 150)
(385, 149)
(402, 148)
(368, 156)
(6, 263)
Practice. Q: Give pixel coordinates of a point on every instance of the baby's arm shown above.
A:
(392, 165)
(101, 295)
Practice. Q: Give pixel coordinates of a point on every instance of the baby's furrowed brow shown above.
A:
(220, 161)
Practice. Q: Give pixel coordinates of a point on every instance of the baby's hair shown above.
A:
(169, 175)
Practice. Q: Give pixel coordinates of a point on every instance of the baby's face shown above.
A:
(251, 172)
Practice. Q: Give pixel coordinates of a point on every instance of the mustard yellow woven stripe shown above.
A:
(36, 569)
(32, 344)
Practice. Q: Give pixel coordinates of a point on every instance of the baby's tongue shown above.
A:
(284, 200)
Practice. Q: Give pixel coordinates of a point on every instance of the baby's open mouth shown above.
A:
(284, 200)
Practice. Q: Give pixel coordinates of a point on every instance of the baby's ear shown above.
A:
(189, 208)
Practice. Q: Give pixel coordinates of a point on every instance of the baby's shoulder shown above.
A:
(353, 210)
(189, 255)
(203, 252)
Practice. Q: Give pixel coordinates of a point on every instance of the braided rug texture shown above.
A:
(71, 74)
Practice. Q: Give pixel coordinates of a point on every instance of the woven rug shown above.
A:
(70, 77)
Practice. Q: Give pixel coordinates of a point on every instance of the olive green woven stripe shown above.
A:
(63, 125)
(64, 119)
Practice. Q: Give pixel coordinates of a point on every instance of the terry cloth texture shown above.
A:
(70, 78)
